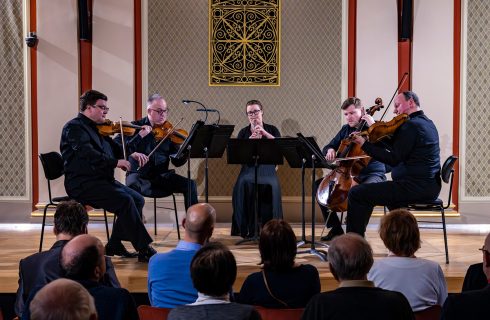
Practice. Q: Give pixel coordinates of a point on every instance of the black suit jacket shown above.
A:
(88, 156)
(44, 267)
(358, 303)
(475, 278)
(467, 305)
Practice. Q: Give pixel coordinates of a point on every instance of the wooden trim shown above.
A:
(137, 60)
(456, 94)
(405, 63)
(85, 59)
(34, 127)
(352, 33)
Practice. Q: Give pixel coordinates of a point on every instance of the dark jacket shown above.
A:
(467, 305)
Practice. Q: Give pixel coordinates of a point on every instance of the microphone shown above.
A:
(207, 110)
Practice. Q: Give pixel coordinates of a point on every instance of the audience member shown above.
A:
(70, 220)
(471, 304)
(475, 278)
(213, 272)
(350, 258)
(421, 281)
(63, 299)
(282, 283)
(169, 280)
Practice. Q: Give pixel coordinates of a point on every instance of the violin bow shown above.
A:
(400, 84)
(161, 141)
(122, 138)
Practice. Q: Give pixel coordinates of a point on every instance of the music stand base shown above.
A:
(252, 239)
(319, 253)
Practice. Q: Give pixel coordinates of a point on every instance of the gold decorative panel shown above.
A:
(13, 157)
(244, 42)
(477, 122)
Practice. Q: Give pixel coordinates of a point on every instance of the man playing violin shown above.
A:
(154, 177)
(89, 163)
(374, 172)
(415, 161)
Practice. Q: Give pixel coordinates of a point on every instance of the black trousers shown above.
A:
(393, 194)
(333, 220)
(124, 202)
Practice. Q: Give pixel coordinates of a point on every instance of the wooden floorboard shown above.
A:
(18, 241)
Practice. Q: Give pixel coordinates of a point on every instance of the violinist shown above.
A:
(268, 184)
(374, 172)
(89, 163)
(414, 157)
(155, 176)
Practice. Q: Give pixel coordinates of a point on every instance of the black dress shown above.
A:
(270, 205)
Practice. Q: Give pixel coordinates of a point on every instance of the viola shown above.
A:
(109, 128)
(381, 130)
(176, 135)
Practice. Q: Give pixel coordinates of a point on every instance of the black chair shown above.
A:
(53, 169)
(447, 175)
(158, 194)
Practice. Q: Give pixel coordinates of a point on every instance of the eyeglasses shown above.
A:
(483, 249)
(103, 108)
(253, 113)
(159, 111)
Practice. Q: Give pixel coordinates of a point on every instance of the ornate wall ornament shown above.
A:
(244, 42)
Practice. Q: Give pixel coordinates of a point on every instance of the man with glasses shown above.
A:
(154, 176)
(269, 190)
(471, 304)
(89, 163)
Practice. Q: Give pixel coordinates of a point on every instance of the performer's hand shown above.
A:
(330, 155)
(369, 120)
(140, 157)
(255, 135)
(358, 139)
(123, 164)
(145, 130)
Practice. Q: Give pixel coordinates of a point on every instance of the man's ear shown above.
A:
(98, 273)
(183, 223)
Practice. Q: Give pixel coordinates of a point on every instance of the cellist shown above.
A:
(415, 161)
(353, 112)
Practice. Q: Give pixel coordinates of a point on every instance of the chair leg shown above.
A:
(445, 234)
(106, 225)
(42, 227)
(155, 214)
(176, 216)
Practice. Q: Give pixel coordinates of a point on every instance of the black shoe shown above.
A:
(334, 232)
(118, 249)
(145, 254)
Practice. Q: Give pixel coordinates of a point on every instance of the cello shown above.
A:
(334, 188)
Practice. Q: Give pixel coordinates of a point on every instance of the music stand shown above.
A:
(184, 150)
(310, 150)
(254, 152)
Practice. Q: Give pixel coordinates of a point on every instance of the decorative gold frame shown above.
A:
(244, 42)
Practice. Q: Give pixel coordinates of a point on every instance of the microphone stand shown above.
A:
(199, 103)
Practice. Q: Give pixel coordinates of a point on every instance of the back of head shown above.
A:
(70, 218)
(277, 245)
(400, 232)
(89, 98)
(213, 269)
(83, 258)
(63, 299)
(199, 222)
(350, 257)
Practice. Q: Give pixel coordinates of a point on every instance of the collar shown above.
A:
(205, 299)
(188, 246)
(356, 283)
(59, 243)
(416, 114)
(86, 120)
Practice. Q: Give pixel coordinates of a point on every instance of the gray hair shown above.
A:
(411, 95)
(153, 97)
(350, 257)
(63, 299)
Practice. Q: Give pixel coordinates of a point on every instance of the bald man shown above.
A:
(63, 299)
(169, 279)
(350, 257)
(471, 304)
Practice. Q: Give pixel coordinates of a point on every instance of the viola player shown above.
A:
(89, 163)
(414, 156)
(374, 172)
(155, 176)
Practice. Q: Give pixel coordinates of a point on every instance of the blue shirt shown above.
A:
(169, 276)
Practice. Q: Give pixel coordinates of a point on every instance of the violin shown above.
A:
(109, 128)
(381, 130)
(176, 135)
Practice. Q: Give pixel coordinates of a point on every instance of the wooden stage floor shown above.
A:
(18, 241)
